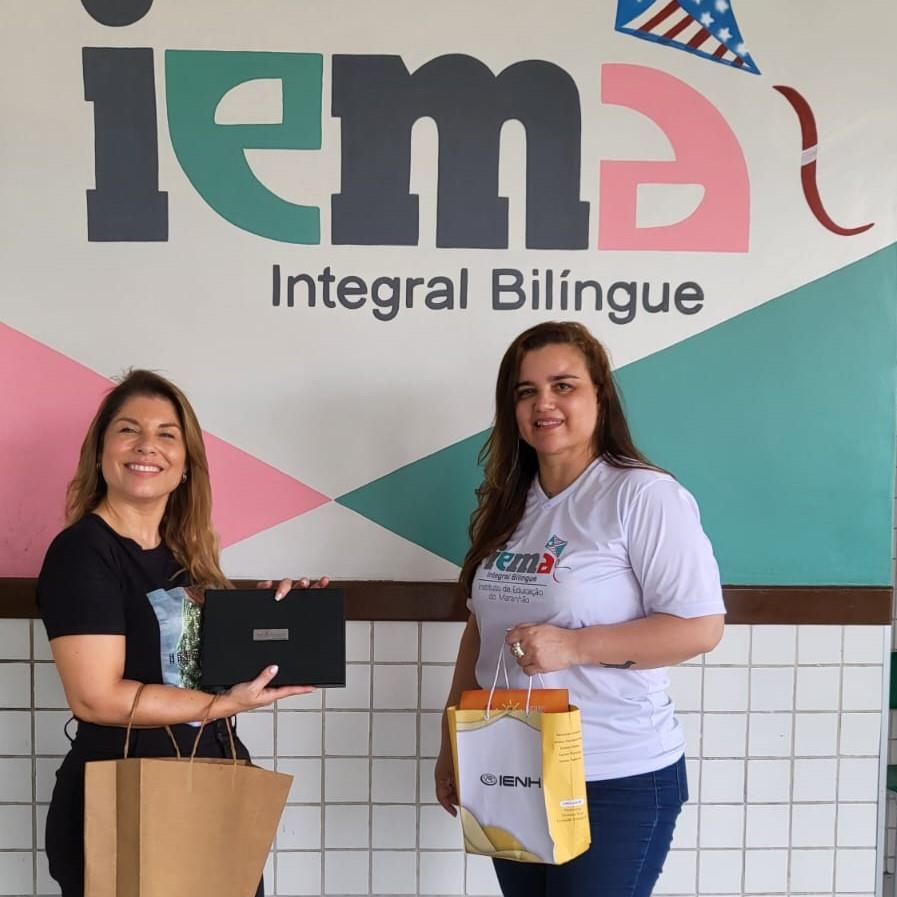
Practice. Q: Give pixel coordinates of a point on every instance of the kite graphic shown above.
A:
(556, 545)
(708, 28)
(703, 27)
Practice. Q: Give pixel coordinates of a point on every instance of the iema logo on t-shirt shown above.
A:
(523, 562)
(179, 625)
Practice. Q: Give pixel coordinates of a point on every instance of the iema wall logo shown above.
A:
(378, 100)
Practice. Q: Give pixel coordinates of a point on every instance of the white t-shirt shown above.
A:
(615, 545)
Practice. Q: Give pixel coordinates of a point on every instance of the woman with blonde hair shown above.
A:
(625, 584)
(120, 594)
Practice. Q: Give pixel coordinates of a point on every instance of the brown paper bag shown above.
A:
(167, 827)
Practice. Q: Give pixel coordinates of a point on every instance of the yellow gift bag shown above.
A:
(520, 779)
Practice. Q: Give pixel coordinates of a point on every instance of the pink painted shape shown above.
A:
(251, 496)
(707, 152)
(46, 403)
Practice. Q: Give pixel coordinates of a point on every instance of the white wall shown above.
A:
(784, 727)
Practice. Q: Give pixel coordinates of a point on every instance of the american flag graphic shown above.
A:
(703, 27)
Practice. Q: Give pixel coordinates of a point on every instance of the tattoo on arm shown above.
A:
(619, 666)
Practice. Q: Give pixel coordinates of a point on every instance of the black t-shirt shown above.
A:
(96, 582)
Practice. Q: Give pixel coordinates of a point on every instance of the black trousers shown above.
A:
(65, 819)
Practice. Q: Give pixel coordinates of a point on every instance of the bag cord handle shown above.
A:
(137, 695)
(500, 667)
(202, 725)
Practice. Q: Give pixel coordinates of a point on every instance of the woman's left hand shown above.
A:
(285, 585)
(543, 648)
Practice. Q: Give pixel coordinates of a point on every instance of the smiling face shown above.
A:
(557, 405)
(144, 456)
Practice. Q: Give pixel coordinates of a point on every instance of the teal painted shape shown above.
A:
(780, 420)
(213, 156)
(428, 502)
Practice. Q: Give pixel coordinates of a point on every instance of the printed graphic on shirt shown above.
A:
(518, 575)
(555, 546)
(179, 619)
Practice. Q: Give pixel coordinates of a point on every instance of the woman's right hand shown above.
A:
(446, 792)
(255, 694)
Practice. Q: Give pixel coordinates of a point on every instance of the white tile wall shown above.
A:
(394, 826)
(347, 733)
(772, 688)
(768, 825)
(298, 873)
(395, 734)
(306, 773)
(815, 780)
(16, 827)
(16, 872)
(347, 826)
(768, 781)
(395, 642)
(783, 727)
(819, 644)
(347, 780)
(346, 872)
(765, 871)
(300, 828)
(257, 732)
(15, 779)
(812, 870)
(481, 877)
(15, 685)
(394, 872)
(891, 807)
(15, 640)
(358, 641)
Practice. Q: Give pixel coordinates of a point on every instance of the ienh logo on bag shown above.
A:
(507, 781)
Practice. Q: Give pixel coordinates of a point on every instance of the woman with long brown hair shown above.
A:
(589, 567)
(120, 594)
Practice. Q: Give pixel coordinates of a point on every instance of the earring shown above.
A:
(184, 477)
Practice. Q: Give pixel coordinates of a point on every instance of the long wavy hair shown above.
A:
(510, 463)
(186, 526)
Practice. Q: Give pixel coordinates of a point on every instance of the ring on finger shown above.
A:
(517, 650)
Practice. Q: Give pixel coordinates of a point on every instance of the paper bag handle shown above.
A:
(202, 725)
(137, 695)
(502, 667)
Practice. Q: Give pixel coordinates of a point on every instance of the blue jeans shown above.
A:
(632, 821)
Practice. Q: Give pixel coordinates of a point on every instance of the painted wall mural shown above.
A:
(327, 227)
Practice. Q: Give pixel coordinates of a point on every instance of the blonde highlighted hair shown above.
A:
(186, 526)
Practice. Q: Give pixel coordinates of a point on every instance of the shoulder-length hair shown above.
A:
(186, 526)
(510, 463)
